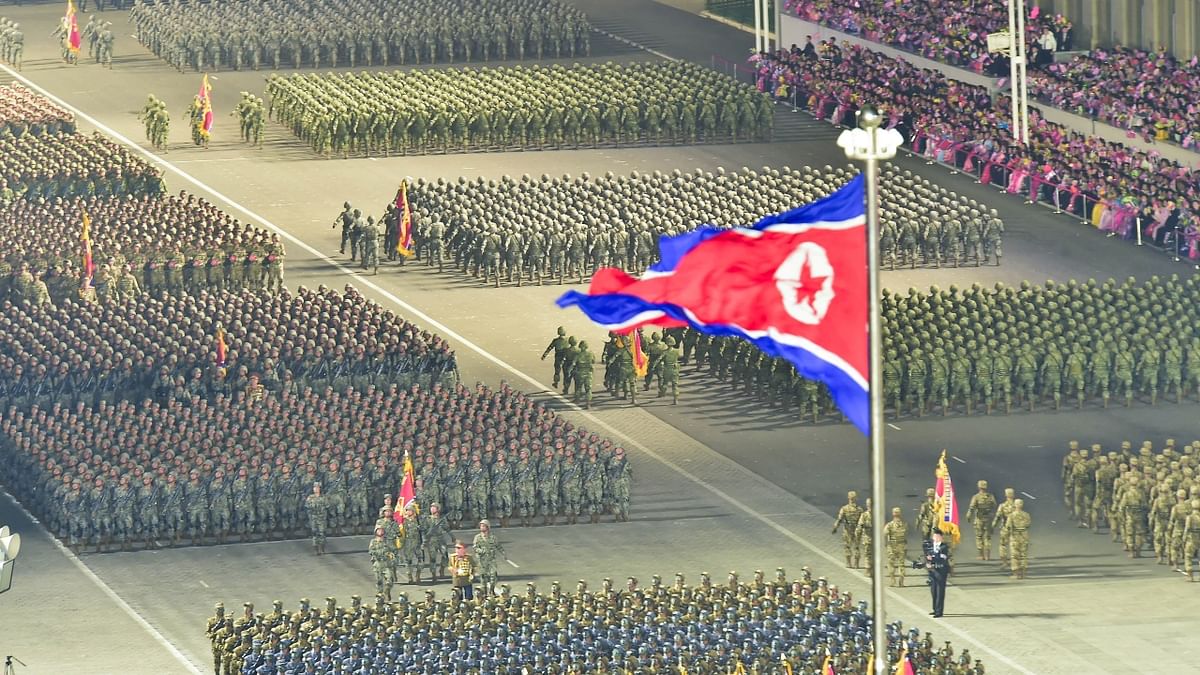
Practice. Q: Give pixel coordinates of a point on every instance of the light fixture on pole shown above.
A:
(870, 144)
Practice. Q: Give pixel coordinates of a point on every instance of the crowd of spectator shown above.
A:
(955, 33)
(1115, 187)
(776, 625)
(1149, 94)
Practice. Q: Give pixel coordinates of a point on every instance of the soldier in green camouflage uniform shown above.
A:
(435, 537)
(487, 549)
(668, 367)
(584, 364)
(382, 556)
(317, 507)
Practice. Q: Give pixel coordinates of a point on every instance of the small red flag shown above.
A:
(74, 40)
(408, 491)
(641, 363)
(206, 101)
(947, 503)
(404, 242)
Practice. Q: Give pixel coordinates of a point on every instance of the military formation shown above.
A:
(1149, 500)
(536, 107)
(157, 121)
(332, 33)
(140, 346)
(12, 43)
(72, 164)
(23, 111)
(266, 458)
(763, 625)
(158, 245)
(967, 351)
(518, 230)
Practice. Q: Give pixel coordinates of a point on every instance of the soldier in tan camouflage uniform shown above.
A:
(847, 519)
(895, 537)
(981, 513)
(1003, 511)
(1017, 525)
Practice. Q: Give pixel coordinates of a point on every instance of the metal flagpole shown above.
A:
(1022, 89)
(758, 29)
(1012, 69)
(870, 144)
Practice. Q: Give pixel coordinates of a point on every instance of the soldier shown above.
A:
(525, 479)
(584, 363)
(847, 519)
(668, 367)
(1017, 525)
(1176, 531)
(1192, 539)
(993, 235)
(548, 486)
(317, 506)
(244, 518)
(217, 628)
(568, 367)
(173, 519)
(895, 536)
(1083, 487)
(346, 220)
(982, 513)
(195, 496)
(435, 537)
(383, 555)
(1133, 508)
(1106, 475)
(151, 515)
(559, 346)
(926, 513)
(865, 532)
(487, 550)
(122, 518)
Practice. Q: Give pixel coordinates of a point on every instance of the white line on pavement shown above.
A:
(108, 591)
(893, 426)
(1028, 495)
(203, 584)
(447, 331)
(1034, 446)
(958, 459)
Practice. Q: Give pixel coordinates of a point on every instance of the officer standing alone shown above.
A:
(937, 564)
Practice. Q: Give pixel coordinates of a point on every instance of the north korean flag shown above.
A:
(795, 284)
